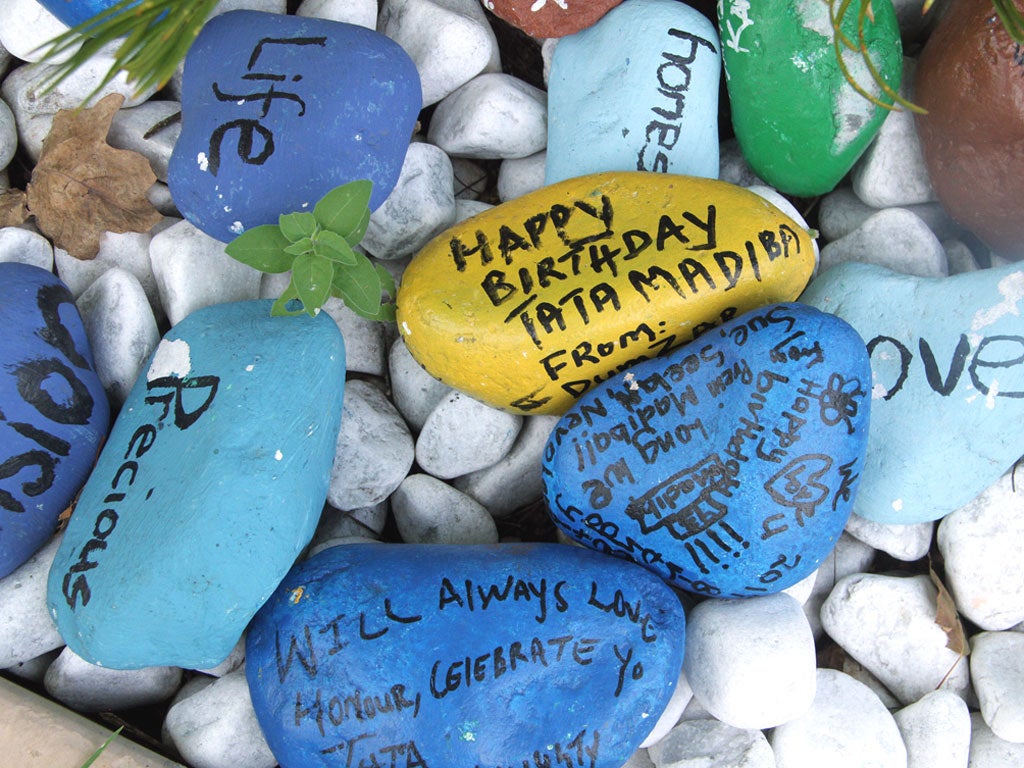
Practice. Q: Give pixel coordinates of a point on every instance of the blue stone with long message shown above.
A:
(729, 466)
(54, 413)
(211, 482)
(947, 358)
(463, 657)
(278, 110)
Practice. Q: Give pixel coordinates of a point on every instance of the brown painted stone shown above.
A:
(550, 18)
(970, 78)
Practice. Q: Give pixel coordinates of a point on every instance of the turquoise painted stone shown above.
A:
(800, 124)
(210, 484)
(53, 410)
(728, 467)
(278, 110)
(947, 362)
(638, 91)
(463, 657)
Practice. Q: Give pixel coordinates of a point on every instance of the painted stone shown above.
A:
(278, 110)
(947, 360)
(550, 18)
(638, 91)
(529, 304)
(74, 12)
(970, 78)
(728, 467)
(54, 413)
(210, 484)
(800, 124)
(463, 656)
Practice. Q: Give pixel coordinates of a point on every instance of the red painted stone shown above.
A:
(970, 78)
(550, 18)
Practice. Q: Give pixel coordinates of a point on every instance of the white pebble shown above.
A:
(421, 205)
(846, 727)
(25, 246)
(751, 661)
(904, 542)
(365, 340)
(887, 623)
(638, 759)
(802, 590)
(462, 435)
(416, 393)
(8, 135)
(997, 670)
(89, 688)
(374, 449)
(936, 730)
(33, 670)
(231, 662)
(989, 751)
(733, 166)
(982, 544)
(362, 13)
(492, 116)
(130, 127)
(959, 257)
(712, 744)
(429, 511)
(28, 26)
(681, 696)
(26, 629)
(849, 556)
(467, 209)
(842, 211)
(893, 238)
(521, 175)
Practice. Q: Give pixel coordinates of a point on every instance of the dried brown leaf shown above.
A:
(13, 208)
(82, 187)
(947, 618)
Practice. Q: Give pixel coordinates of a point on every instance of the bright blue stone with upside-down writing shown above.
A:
(278, 110)
(435, 656)
(211, 482)
(729, 466)
(54, 413)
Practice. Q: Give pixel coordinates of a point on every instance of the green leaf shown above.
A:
(343, 209)
(387, 282)
(301, 248)
(334, 247)
(357, 233)
(261, 247)
(297, 226)
(358, 286)
(312, 276)
(290, 294)
(96, 755)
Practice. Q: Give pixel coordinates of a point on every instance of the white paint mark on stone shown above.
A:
(630, 380)
(203, 161)
(741, 11)
(1011, 288)
(249, 368)
(878, 392)
(237, 227)
(405, 328)
(278, 455)
(897, 505)
(172, 358)
(993, 393)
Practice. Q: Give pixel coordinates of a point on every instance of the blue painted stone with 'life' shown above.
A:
(947, 359)
(210, 484)
(463, 657)
(278, 110)
(638, 91)
(729, 466)
(53, 410)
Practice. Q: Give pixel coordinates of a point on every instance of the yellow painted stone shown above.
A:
(528, 305)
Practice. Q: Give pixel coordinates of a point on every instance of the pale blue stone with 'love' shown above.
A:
(463, 656)
(210, 484)
(638, 91)
(728, 466)
(947, 361)
(278, 110)
(53, 410)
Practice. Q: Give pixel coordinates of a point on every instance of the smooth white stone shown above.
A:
(712, 744)
(374, 449)
(997, 671)
(415, 392)
(449, 42)
(493, 116)
(362, 13)
(26, 27)
(842, 211)
(8, 135)
(421, 205)
(467, 209)
(733, 166)
(33, 670)
(515, 480)
(802, 590)
(695, 711)
(959, 257)
(131, 126)
(681, 696)
(982, 544)
(520, 176)
(430, 511)
(846, 727)
(26, 629)
(860, 673)
(192, 271)
(339, 541)
(751, 661)
(547, 53)
(462, 435)
(893, 238)
(159, 195)
(191, 687)
(25, 246)
(892, 172)
(88, 688)
(470, 179)
(32, 132)
(936, 730)
(849, 556)
(904, 542)
(216, 727)
(365, 340)
(988, 750)
(231, 662)
(5, 57)
(267, 6)
(887, 623)
(121, 330)
(367, 522)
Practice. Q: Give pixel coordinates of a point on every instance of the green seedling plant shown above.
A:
(103, 747)
(319, 249)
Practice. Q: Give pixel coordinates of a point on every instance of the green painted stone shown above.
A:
(800, 124)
